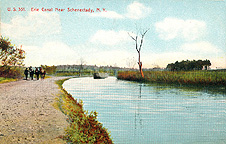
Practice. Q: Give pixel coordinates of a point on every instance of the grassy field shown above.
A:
(4, 80)
(199, 78)
(83, 126)
(67, 74)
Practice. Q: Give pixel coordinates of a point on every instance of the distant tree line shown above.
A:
(49, 69)
(189, 65)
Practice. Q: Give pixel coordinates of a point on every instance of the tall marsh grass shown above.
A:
(201, 78)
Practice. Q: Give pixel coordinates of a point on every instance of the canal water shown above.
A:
(145, 114)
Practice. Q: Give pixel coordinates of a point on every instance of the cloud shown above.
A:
(95, 54)
(163, 59)
(56, 53)
(188, 51)
(218, 62)
(110, 57)
(35, 24)
(50, 53)
(108, 14)
(137, 10)
(202, 47)
(171, 28)
(109, 37)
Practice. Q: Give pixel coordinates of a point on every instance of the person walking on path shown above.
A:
(31, 73)
(37, 72)
(26, 73)
(40, 72)
(43, 73)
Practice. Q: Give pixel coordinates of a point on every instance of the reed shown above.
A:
(201, 78)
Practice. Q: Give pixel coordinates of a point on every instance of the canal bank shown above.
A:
(83, 126)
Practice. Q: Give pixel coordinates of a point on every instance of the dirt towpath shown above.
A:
(26, 113)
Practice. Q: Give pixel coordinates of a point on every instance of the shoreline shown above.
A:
(27, 114)
(182, 79)
(83, 126)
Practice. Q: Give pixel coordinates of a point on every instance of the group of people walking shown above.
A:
(38, 72)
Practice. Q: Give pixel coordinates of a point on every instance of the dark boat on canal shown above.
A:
(100, 75)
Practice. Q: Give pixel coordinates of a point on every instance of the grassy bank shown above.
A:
(4, 80)
(199, 78)
(83, 126)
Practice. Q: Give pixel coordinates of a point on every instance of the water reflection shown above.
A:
(138, 120)
(137, 113)
(213, 90)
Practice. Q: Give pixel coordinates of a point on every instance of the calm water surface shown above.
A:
(140, 114)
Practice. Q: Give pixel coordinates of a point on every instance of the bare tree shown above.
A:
(138, 48)
(131, 62)
(81, 62)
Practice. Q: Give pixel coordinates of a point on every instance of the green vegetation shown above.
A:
(15, 72)
(83, 126)
(4, 80)
(199, 78)
(110, 72)
(47, 76)
(10, 54)
(84, 72)
(11, 58)
(49, 69)
(189, 65)
(67, 74)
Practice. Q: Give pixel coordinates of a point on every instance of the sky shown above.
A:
(54, 32)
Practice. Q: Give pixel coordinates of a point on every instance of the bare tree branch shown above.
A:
(145, 32)
(135, 39)
(131, 36)
(141, 41)
(136, 45)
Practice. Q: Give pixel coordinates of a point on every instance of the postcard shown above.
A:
(123, 72)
